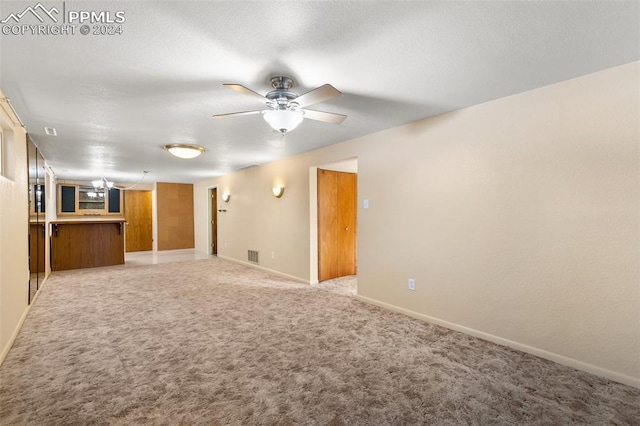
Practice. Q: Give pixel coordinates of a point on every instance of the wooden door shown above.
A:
(214, 221)
(337, 205)
(327, 225)
(137, 213)
(347, 204)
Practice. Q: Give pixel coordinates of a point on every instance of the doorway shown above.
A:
(337, 224)
(213, 193)
(138, 221)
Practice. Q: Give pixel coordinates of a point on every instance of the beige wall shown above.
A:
(14, 215)
(518, 219)
(279, 228)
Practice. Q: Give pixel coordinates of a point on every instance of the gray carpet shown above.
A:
(344, 285)
(213, 342)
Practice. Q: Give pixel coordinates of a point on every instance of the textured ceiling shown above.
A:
(115, 100)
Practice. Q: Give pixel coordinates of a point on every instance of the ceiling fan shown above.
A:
(285, 109)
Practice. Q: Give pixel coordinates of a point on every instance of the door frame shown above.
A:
(213, 220)
(313, 213)
(313, 225)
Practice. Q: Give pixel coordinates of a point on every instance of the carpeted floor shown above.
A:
(216, 343)
(344, 285)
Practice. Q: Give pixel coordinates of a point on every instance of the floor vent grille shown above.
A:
(253, 256)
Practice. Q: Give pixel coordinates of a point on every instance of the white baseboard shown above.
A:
(271, 271)
(14, 335)
(16, 331)
(560, 359)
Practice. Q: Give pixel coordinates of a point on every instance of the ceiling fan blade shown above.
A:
(318, 94)
(236, 113)
(327, 117)
(245, 90)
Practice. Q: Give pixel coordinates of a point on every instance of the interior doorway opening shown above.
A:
(334, 206)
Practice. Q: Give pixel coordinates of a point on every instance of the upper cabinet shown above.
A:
(87, 200)
(91, 200)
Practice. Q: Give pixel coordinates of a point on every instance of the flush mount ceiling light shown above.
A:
(181, 150)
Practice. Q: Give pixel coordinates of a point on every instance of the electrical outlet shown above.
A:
(273, 254)
(412, 284)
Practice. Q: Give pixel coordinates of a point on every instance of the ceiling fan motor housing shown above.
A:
(281, 96)
(280, 82)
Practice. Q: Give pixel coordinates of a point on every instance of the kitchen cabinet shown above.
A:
(78, 199)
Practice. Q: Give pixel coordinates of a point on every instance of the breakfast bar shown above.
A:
(79, 244)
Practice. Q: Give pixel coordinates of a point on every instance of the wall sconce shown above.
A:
(226, 197)
(278, 191)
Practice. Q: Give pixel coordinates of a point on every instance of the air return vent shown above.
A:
(50, 131)
(253, 256)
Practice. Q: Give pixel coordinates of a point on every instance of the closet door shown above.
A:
(346, 218)
(337, 204)
(327, 225)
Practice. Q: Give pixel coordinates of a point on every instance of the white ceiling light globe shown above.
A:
(283, 120)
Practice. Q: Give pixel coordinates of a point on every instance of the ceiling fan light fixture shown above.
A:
(283, 120)
(186, 151)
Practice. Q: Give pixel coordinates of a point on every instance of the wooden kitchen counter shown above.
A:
(89, 243)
